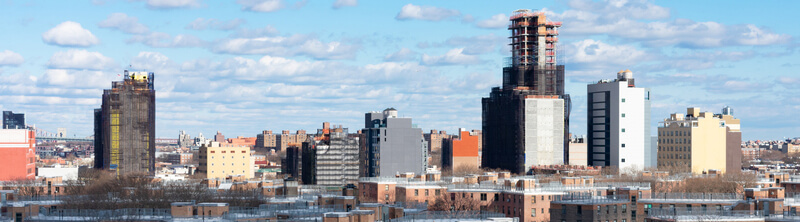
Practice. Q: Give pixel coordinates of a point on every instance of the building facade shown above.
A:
(462, 151)
(618, 124)
(331, 157)
(694, 141)
(127, 125)
(13, 120)
(18, 154)
(525, 123)
(223, 161)
(391, 145)
(435, 141)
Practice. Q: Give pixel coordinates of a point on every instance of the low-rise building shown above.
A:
(222, 161)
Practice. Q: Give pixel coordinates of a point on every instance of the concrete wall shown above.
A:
(544, 132)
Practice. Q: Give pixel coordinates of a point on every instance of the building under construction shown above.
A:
(331, 157)
(525, 123)
(125, 126)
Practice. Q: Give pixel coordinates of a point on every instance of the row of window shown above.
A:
(674, 133)
(671, 148)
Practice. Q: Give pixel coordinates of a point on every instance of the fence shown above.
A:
(129, 214)
(434, 215)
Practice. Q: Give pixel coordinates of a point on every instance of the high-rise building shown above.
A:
(17, 154)
(184, 140)
(218, 161)
(330, 158)
(13, 120)
(461, 152)
(695, 142)
(127, 125)
(618, 124)
(435, 142)
(391, 145)
(525, 123)
(282, 141)
(219, 137)
(265, 141)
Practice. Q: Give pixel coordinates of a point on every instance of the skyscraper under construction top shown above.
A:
(525, 123)
(125, 126)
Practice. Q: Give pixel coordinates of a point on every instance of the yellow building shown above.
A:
(221, 162)
(696, 142)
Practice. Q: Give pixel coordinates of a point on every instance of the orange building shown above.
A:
(241, 141)
(462, 151)
(18, 154)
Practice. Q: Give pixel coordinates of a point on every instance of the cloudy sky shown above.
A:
(243, 66)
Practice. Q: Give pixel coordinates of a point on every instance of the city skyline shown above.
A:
(249, 66)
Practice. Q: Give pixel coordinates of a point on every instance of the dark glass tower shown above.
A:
(532, 73)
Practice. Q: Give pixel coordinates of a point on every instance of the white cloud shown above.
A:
(594, 51)
(268, 30)
(261, 5)
(452, 57)
(404, 54)
(125, 23)
(202, 24)
(428, 13)
(642, 21)
(757, 36)
(495, 22)
(173, 4)
(164, 40)
(76, 78)
(69, 33)
(343, 3)
(152, 61)
(80, 59)
(10, 58)
(287, 46)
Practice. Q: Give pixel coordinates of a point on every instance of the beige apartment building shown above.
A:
(699, 142)
(222, 161)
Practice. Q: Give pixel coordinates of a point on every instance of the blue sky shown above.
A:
(243, 66)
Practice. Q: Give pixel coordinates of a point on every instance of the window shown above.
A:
(623, 145)
(386, 187)
(438, 192)
(483, 197)
(533, 212)
(563, 209)
(623, 160)
(623, 130)
(624, 208)
(623, 115)
(623, 100)
(416, 192)
(426, 192)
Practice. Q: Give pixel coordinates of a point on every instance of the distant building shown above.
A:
(525, 122)
(435, 141)
(292, 164)
(285, 139)
(240, 141)
(184, 140)
(17, 154)
(578, 151)
(222, 161)
(330, 158)
(13, 120)
(179, 158)
(265, 141)
(127, 125)
(698, 140)
(391, 145)
(219, 137)
(618, 124)
(462, 151)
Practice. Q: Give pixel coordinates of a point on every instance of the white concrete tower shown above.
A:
(618, 124)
